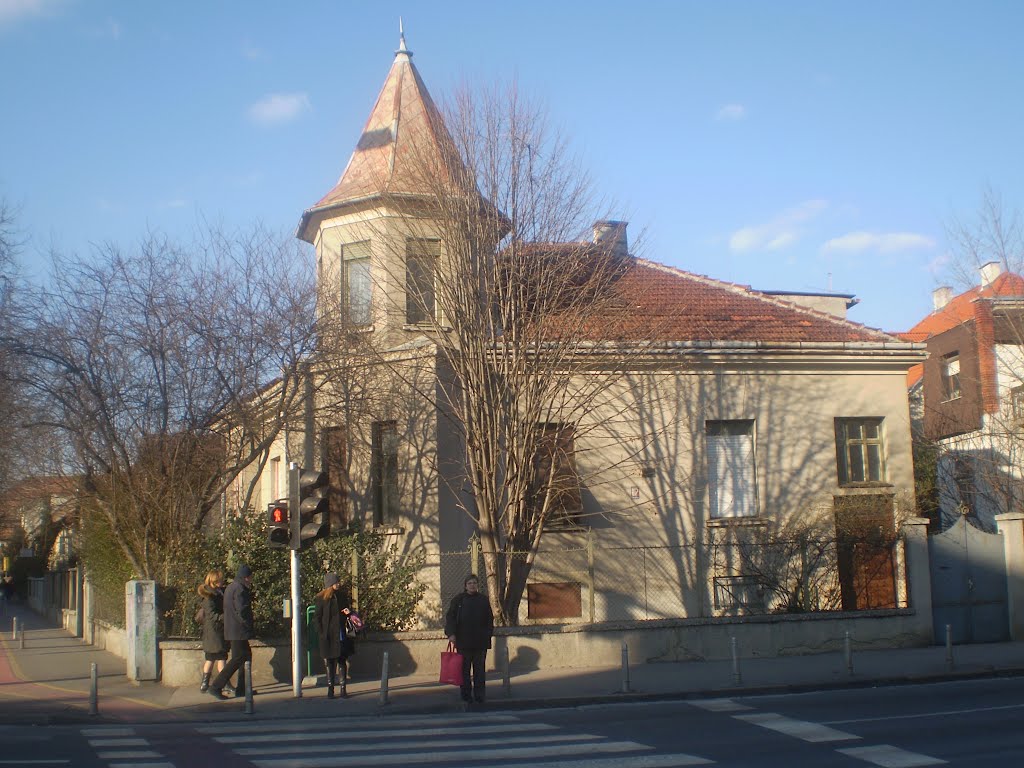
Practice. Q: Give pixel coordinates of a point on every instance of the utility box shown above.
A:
(140, 629)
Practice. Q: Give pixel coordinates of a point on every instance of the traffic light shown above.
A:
(312, 521)
(277, 524)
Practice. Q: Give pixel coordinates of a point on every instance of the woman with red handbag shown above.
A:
(469, 624)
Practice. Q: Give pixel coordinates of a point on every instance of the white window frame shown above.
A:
(951, 389)
(732, 469)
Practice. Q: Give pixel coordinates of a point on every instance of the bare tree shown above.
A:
(140, 358)
(978, 469)
(533, 338)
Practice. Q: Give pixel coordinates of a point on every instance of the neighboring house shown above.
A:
(762, 411)
(968, 396)
(38, 516)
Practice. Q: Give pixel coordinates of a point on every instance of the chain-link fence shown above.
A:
(728, 575)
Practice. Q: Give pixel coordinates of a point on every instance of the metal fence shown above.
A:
(724, 576)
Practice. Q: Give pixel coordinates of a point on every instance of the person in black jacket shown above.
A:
(469, 624)
(238, 630)
(336, 644)
(211, 615)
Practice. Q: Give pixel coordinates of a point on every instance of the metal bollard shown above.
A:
(848, 654)
(248, 688)
(94, 698)
(737, 679)
(949, 645)
(625, 667)
(384, 679)
(506, 674)
(21, 639)
(14, 628)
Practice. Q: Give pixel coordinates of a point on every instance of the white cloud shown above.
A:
(12, 11)
(731, 112)
(279, 107)
(884, 242)
(778, 233)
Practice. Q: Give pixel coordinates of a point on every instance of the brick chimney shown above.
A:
(613, 233)
(989, 272)
(941, 296)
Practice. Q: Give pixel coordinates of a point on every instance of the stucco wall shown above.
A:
(566, 647)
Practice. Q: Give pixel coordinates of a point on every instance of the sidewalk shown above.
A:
(48, 681)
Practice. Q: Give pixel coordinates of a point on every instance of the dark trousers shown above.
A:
(474, 661)
(240, 653)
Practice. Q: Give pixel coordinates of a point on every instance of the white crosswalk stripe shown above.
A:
(124, 748)
(801, 729)
(889, 756)
(479, 741)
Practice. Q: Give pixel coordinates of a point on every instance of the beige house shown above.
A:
(731, 470)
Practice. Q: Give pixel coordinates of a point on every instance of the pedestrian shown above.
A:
(5, 593)
(336, 641)
(238, 631)
(469, 624)
(211, 616)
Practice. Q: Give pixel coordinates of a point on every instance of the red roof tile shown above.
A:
(682, 306)
(960, 309)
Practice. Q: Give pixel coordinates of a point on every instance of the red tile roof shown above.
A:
(674, 305)
(959, 310)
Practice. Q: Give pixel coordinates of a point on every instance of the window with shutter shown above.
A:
(732, 480)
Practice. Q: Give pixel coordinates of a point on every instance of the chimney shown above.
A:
(612, 233)
(989, 272)
(941, 296)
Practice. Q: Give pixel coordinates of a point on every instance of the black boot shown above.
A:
(205, 685)
(330, 687)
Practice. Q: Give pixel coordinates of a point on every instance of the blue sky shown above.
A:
(783, 145)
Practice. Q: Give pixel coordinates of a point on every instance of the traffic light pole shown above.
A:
(297, 614)
(297, 611)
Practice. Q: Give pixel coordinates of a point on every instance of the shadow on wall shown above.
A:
(369, 660)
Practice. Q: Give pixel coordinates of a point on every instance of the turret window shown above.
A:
(356, 285)
(420, 265)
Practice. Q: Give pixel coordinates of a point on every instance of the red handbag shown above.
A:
(451, 666)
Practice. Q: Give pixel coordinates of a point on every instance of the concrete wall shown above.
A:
(567, 647)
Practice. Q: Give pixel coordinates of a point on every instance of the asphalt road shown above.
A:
(971, 723)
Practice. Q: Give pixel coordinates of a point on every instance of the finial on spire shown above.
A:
(401, 39)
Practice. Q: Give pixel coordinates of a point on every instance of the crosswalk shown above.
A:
(472, 741)
(124, 748)
(881, 755)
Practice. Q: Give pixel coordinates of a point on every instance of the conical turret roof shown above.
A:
(403, 136)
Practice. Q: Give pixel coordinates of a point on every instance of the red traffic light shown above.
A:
(277, 524)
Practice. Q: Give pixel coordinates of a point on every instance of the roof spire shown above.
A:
(401, 41)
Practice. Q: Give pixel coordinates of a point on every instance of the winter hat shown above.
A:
(330, 579)
(243, 571)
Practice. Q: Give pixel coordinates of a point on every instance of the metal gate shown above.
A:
(968, 570)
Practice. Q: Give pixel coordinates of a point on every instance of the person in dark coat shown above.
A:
(336, 644)
(211, 608)
(469, 624)
(238, 630)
